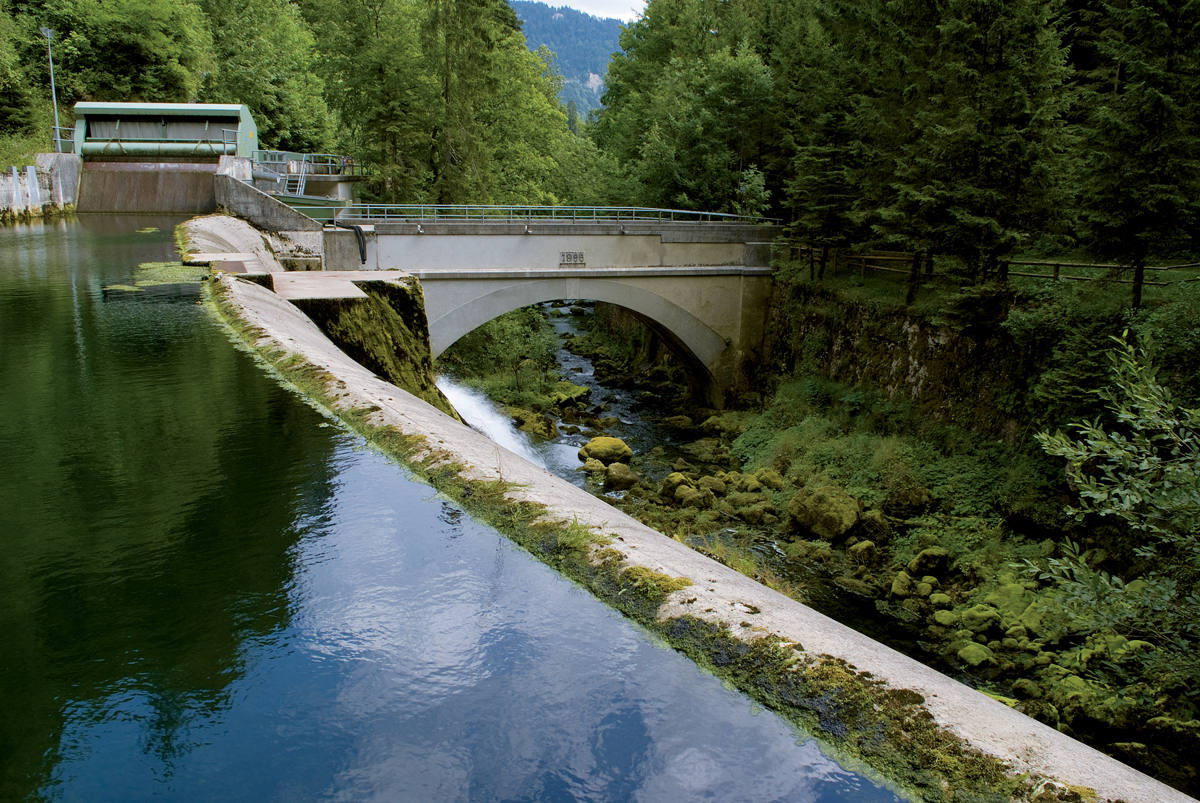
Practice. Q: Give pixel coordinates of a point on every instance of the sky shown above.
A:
(625, 10)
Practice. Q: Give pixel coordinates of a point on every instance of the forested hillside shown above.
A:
(442, 101)
(582, 45)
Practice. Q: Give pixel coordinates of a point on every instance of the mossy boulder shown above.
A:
(863, 552)
(592, 465)
(902, 585)
(929, 561)
(981, 618)
(829, 512)
(1032, 618)
(714, 484)
(748, 483)
(769, 478)
(946, 618)
(678, 422)
(541, 427)
(687, 496)
(567, 392)
(856, 586)
(670, 484)
(976, 655)
(940, 600)
(875, 525)
(620, 477)
(1011, 599)
(606, 450)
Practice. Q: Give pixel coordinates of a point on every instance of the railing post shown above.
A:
(1056, 271)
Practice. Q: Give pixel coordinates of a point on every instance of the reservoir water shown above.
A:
(210, 592)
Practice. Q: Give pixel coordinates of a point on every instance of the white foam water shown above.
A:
(481, 414)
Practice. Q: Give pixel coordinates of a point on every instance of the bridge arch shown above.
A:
(693, 340)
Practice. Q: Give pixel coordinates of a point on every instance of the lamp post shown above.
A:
(49, 34)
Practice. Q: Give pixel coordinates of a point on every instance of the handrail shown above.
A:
(515, 214)
(64, 136)
(331, 164)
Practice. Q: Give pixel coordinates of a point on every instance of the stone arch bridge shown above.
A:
(701, 285)
(699, 280)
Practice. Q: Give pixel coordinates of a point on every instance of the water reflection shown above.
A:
(207, 595)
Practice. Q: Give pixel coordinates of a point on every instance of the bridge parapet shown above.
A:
(388, 213)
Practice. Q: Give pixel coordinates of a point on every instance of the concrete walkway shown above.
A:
(719, 593)
(329, 283)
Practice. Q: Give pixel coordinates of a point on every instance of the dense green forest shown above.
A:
(582, 45)
(966, 129)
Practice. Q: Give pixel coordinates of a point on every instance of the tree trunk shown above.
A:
(914, 278)
(824, 261)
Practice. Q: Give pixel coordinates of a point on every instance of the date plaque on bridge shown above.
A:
(572, 258)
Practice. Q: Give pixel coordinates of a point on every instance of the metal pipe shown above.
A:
(49, 34)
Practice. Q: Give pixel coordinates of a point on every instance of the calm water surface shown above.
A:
(207, 592)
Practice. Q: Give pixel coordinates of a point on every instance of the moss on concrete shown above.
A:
(386, 333)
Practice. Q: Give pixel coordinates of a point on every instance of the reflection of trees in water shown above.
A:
(164, 482)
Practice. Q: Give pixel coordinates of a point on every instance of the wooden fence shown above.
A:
(879, 261)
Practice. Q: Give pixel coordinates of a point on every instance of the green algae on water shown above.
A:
(157, 274)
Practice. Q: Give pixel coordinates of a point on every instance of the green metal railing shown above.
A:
(522, 214)
(311, 164)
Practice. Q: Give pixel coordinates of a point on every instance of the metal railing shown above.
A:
(312, 164)
(64, 138)
(525, 214)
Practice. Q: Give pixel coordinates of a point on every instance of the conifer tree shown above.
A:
(962, 118)
(1141, 141)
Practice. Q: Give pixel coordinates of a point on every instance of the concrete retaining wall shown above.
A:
(49, 186)
(242, 200)
(147, 187)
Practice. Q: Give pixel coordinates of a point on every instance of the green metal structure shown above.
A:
(164, 130)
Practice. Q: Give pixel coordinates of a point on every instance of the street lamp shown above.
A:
(49, 34)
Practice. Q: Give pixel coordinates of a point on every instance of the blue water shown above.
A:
(209, 592)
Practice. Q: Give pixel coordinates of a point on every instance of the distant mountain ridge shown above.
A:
(583, 44)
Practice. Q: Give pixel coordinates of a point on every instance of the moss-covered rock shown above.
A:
(902, 585)
(862, 552)
(940, 600)
(714, 484)
(670, 484)
(976, 655)
(981, 618)
(592, 465)
(946, 618)
(929, 561)
(620, 477)
(687, 496)
(829, 512)
(769, 478)
(567, 393)
(606, 450)
(386, 333)
(1011, 599)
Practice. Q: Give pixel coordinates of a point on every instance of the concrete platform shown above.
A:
(329, 284)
